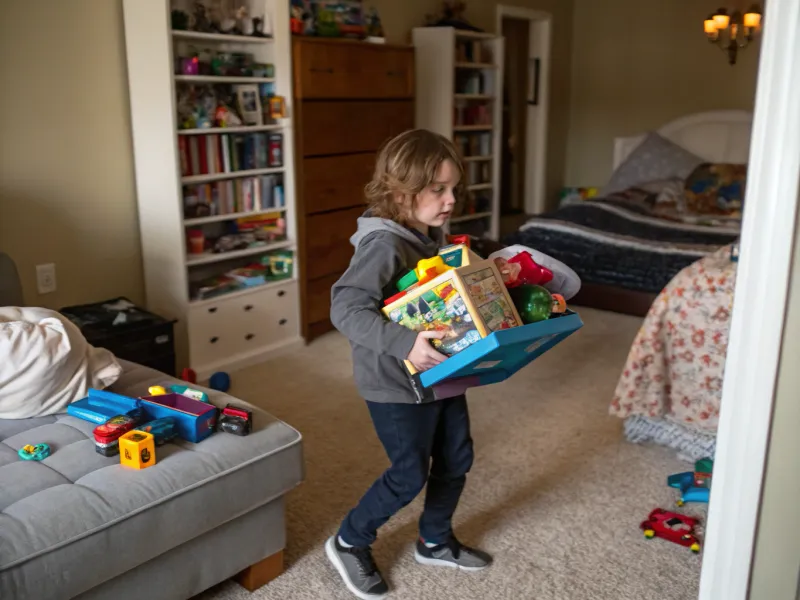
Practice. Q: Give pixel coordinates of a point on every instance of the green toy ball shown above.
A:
(534, 303)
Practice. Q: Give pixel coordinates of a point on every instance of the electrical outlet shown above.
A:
(46, 278)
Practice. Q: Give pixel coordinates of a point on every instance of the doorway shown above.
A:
(526, 36)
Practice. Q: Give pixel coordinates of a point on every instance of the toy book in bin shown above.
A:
(485, 339)
(194, 420)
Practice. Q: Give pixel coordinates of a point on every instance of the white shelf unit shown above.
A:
(245, 326)
(455, 70)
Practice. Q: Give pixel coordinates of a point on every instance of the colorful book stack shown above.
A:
(214, 154)
(245, 194)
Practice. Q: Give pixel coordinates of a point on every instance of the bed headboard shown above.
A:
(715, 136)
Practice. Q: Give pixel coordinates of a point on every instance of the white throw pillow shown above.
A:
(46, 363)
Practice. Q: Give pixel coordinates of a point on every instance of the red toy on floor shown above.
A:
(671, 526)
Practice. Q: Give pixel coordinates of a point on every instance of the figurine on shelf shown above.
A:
(180, 20)
(225, 117)
(243, 21)
(374, 26)
(201, 21)
(258, 27)
(452, 15)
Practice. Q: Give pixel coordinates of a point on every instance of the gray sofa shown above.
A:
(79, 525)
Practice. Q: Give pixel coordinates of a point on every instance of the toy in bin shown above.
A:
(695, 486)
(673, 527)
(137, 449)
(236, 420)
(106, 436)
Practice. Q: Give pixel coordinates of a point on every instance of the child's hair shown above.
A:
(406, 165)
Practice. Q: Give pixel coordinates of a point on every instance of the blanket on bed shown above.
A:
(612, 242)
(675, 366)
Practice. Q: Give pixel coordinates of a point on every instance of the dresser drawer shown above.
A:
(328, 242)
(347, 127)
(229, 326)
(334, 182)
(342, 69)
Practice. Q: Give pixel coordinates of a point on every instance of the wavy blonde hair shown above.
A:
(405, 166)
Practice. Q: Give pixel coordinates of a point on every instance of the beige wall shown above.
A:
(66, 170)
(637, 64)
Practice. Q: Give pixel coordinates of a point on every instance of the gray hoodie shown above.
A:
(385, 251)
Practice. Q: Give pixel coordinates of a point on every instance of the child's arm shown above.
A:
(357, 297)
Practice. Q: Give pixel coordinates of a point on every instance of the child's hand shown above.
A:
(423, 356)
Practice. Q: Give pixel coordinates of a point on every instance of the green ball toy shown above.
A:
(534, 303)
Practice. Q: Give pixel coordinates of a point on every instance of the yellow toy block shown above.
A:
(137, 449)
(468, 303)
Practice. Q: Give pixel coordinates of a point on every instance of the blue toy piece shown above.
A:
(37, 452)
(690, 492)
(495, 358)
(220, 381)
(100, 405)
(163, 430)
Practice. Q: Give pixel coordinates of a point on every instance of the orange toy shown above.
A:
(137, 449)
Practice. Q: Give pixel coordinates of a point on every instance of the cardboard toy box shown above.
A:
(468, 303)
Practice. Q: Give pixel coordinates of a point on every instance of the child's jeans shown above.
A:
(412, 435)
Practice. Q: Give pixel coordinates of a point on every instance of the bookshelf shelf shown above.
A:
(211, 257)
(231, 216)
(222, 79)
(457, 96)
(222, 130)
(184, 171)
(219, 37)
(192, 179)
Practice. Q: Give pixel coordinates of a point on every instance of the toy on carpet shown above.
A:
(236, 420)
(695, 486)
(106, 436)
(673, 527)
(34, 452)
(220, 381)
(137, 449)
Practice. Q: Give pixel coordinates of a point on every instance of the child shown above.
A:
(417, 178)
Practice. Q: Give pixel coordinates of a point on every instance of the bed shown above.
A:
(627, 243)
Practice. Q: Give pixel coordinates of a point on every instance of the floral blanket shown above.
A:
(675, 366)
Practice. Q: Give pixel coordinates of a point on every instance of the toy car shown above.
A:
(163, 430)
(671, 526)
(235, 420)
(31, 452)
(106, 436)
(695, 486)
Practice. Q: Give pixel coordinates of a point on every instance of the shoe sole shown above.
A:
(333, 557)
(438, 562)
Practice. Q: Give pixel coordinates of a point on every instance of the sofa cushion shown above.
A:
(46, 363)
(77, 519)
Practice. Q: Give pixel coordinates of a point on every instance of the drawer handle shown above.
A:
(213, 309)
(248, 307)
(318, 70)
(214, 340)
(249, 336)
(281, 293)
(282, 322)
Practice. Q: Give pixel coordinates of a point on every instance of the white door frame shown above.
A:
(762, 287)
(539, 46)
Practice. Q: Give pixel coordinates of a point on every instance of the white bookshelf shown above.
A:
(450, 83)
(246, 325)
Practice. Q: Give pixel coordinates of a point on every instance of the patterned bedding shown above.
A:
(675, 366)
(618, 241)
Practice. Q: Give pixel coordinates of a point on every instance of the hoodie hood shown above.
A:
(367, 224)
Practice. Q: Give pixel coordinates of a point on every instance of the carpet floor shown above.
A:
(556, 494)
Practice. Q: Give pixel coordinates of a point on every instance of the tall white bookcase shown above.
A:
(247, 325)
(459, 94)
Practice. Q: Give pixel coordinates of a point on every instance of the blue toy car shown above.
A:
(163, 430)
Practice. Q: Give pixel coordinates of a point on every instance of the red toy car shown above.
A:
(673, 527)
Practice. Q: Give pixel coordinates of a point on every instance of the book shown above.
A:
(194, 156)
(224, 141)
(262, 158)
(183, 152)
(202, 152)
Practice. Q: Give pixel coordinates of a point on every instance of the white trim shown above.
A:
(759, 310)
(540, 45)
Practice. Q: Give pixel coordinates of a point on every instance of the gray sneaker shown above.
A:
(452, 554)
(357, 568)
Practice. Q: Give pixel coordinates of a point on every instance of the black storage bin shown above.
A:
(128, 331)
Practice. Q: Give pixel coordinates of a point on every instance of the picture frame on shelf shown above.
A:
(277, 107)
(248, 102)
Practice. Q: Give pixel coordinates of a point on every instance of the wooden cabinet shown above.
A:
(350, 97)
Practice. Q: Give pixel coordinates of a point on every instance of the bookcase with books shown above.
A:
(211, 106)
(459, 95)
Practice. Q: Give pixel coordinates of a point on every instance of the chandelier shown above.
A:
(734, 30)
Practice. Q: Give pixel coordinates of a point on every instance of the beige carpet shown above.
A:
(555, 495)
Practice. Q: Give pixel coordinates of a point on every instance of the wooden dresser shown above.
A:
(350, 97)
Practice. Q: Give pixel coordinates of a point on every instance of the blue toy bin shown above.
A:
(499, 355)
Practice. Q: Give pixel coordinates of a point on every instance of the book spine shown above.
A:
(194, 153)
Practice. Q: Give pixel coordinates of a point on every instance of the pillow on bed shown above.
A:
(655, 159)
(46, 363)
(716, 189)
